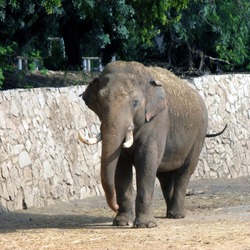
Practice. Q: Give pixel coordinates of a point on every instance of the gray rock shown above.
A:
(48, 170)
(24, 159)
(14, 109)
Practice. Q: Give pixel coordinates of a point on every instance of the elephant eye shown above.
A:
(135, 103)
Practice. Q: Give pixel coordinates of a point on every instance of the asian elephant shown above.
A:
(152, 120)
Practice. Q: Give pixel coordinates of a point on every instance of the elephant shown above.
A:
(150, 120)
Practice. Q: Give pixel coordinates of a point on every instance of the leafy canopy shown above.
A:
(192, 30)
(217, 28)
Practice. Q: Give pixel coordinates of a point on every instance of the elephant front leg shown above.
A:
(124, 192)
(145, 188)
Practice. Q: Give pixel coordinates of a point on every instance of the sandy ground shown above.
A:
(218, 217)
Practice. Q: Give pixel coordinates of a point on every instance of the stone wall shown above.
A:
(228, 101)
(41, 159)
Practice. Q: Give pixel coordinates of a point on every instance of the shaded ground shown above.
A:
(218, 217)
(48, 78)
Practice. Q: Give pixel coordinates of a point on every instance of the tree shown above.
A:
(104, 25)
(109, 24)
(24, 21)
(231, 20)
(24, 25)
(131, 25)
(72, 27)
(210, 35)
(198, 35)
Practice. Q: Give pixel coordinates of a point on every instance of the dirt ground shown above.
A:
(218, 217)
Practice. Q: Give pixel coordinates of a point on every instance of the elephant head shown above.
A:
(125, 97)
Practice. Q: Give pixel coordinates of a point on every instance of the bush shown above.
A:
(6, 60)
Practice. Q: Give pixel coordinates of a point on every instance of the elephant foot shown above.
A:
(122, 220)
(175, 215)
(145, 222)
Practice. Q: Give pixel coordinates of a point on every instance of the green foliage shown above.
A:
(6, 63)
(44, 72)
(51, 6)
(216, 28)
(150, 16)
(231, 21)
(196, 33)
(114, 20)
(35, 59)
(113, 23)
(32, 66)
(1, 77)
(6, 53)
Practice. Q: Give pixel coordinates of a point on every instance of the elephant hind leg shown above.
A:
(167, 185)
(176, 208)
(174, 186)
(181, 178)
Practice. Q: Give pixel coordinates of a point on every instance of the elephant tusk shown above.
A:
(84, 137)
(129, 140)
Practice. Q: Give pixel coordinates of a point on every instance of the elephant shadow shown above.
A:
(13, 221)
(75, 214)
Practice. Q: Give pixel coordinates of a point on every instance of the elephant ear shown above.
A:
(155, 100)
(90, 96)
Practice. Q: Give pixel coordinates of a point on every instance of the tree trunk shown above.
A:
(72, 34)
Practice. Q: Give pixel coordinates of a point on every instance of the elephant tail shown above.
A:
(213, 135)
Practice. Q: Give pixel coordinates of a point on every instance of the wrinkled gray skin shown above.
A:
(169, 120)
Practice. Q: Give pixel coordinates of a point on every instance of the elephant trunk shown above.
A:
(111, 148)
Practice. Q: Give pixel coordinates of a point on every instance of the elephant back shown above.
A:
(180, 95)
